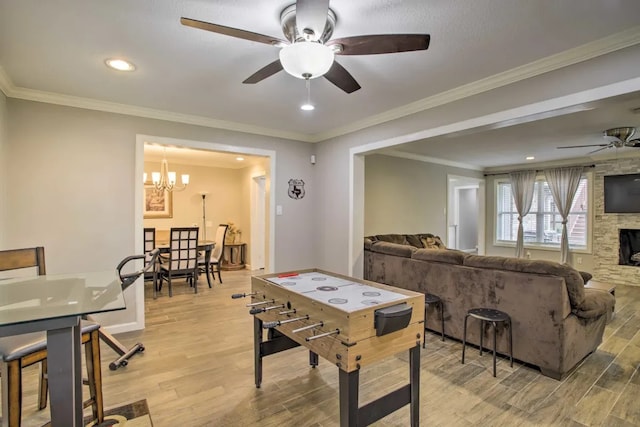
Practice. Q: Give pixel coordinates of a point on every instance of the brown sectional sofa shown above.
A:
(556, 321)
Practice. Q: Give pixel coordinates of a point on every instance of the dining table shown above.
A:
(55, 303)
(205, 246)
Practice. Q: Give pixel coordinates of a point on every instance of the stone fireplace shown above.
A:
(612, 233)
(629, 241)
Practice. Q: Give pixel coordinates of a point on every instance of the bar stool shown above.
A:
(20, 351)
(493, 316)
(430, 299)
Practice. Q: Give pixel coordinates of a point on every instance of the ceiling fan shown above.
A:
(617, 137)
(308, 51)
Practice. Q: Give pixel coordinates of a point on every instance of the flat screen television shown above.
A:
(622, 193)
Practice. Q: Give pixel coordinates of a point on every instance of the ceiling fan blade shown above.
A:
(588, 145)
(599, 149)
(340, 77)
(635, 143)
(381, 43)
(311, 15)
(264, 72)
(233, 32)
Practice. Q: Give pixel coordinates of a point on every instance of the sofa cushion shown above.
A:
(391, 238)
(448, 256)
(392, 249)
(573, 280)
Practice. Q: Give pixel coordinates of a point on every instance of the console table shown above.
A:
(233, 256)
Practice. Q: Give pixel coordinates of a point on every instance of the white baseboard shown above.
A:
(124, 327)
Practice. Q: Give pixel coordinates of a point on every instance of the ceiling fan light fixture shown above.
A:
(306, 59)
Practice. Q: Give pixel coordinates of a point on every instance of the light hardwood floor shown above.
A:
(197, 370)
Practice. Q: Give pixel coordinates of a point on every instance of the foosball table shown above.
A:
(349, 322)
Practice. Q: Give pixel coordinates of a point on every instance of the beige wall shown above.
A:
(74, 187)
(226, 201)
(406, 196)
(3, 167)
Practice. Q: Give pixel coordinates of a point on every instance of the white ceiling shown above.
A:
(207, 158)
(59, 46)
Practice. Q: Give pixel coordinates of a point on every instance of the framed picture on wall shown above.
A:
(157, 204)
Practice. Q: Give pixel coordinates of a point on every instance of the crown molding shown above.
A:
(621, 40)
(12, 91)
(569, 57)
(427, 159)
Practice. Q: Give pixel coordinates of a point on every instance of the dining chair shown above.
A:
(216, 255)
(20, 351)
(149, 242)
(182, 259)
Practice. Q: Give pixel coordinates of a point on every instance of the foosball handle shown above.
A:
(269, 325)
(256, 310)
(236, 296)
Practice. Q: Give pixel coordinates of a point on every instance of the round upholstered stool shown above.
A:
(493, 316)
(430, 299)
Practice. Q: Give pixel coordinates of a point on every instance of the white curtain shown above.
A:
(522, 185)
(563, 183)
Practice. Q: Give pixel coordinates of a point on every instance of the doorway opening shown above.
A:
(266, 242)
(465, 214)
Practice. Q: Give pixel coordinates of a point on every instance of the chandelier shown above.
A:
(166, 180)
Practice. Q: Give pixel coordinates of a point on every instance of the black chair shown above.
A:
(182, 260)
(126, 280)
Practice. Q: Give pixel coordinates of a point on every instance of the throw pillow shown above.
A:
(585, 276)
(433, 243)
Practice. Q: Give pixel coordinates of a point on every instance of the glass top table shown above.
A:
(55, 303)
(26, 300)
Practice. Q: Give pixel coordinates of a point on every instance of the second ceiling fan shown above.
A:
(308, 51)
(616, 137)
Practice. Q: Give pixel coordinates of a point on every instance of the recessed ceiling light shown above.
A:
(120, 64)
(530, 158)
(307, 107)
(239, 158)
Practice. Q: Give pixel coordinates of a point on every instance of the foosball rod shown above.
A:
(257, 310)
(269, 325)
(253, 304)
(326, 334)
(304, 328)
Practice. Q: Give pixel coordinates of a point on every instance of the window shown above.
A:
(543, 223)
